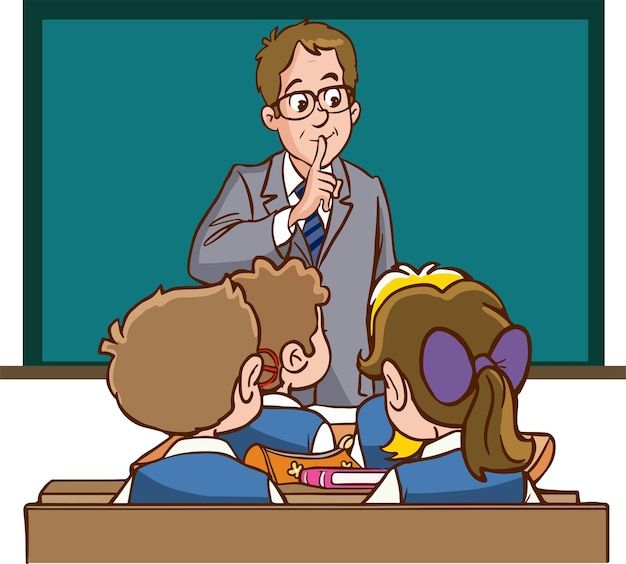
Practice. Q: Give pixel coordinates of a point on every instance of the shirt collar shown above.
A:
(279, 400)
(201, 444)
(447, 443)
(291, 177)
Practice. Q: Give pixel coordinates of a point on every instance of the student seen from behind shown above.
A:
(186, 362)
(453, 364)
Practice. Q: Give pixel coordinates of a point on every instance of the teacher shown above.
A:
(305, 201)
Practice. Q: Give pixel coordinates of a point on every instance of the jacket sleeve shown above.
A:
(228, 237)
(385, 250)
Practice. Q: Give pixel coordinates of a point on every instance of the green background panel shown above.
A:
(478, 129)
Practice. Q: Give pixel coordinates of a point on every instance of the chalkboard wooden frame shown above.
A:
(98, 372)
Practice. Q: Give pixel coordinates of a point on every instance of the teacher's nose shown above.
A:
(319, 117)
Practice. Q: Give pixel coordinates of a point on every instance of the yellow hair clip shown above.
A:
(403, 277)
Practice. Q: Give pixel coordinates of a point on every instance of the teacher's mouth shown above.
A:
(327, 137)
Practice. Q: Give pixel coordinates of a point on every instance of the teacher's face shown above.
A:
(303, 119)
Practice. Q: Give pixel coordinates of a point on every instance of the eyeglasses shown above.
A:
(298, 105)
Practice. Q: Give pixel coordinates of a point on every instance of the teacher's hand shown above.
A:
(320, 187)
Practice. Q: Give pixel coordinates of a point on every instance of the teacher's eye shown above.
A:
(298, 102)
(332, 97)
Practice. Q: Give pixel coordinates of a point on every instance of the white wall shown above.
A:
(73, 429)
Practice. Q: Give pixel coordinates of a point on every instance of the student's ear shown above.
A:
(396, 393)
(249, 377)
(355, 112)
(293, 358)
(269, 119)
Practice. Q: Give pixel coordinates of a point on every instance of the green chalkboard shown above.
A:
(479, 129)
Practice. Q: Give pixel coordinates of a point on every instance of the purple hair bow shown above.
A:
(449, 369)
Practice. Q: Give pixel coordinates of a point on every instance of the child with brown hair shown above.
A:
(453, 364)
(288, 304)
(186, 362)
(376, 443)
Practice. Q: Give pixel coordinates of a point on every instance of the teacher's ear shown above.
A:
(269, 119)
(355, 112)
(396, 393)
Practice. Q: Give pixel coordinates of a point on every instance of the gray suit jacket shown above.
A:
(357, 249)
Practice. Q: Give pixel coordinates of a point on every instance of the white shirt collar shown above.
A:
(341, 415)
(447, 443)
(291, 177)
(201, 444)
(279, 400)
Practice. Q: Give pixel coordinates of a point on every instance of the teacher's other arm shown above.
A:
(228, 238)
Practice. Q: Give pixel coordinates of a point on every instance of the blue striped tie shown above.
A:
(313, 228)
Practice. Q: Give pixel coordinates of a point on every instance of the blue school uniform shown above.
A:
(290, 428)
(441, 476)
(199, 477)
(446, 479)
(374, 432)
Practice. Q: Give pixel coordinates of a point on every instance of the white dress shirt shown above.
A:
(198, 444)
(291, 179)
(324, 439)
(388, 491)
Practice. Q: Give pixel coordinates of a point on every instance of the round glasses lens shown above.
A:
(334, 99)
(297, 105)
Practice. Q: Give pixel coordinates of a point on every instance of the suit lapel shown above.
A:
(273, 192)
(274, 199)
(342, 206)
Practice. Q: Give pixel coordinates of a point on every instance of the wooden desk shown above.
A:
(73, 522)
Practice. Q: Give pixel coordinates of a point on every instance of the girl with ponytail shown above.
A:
(453, 365)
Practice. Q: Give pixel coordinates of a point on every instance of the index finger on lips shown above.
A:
(320, 153)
